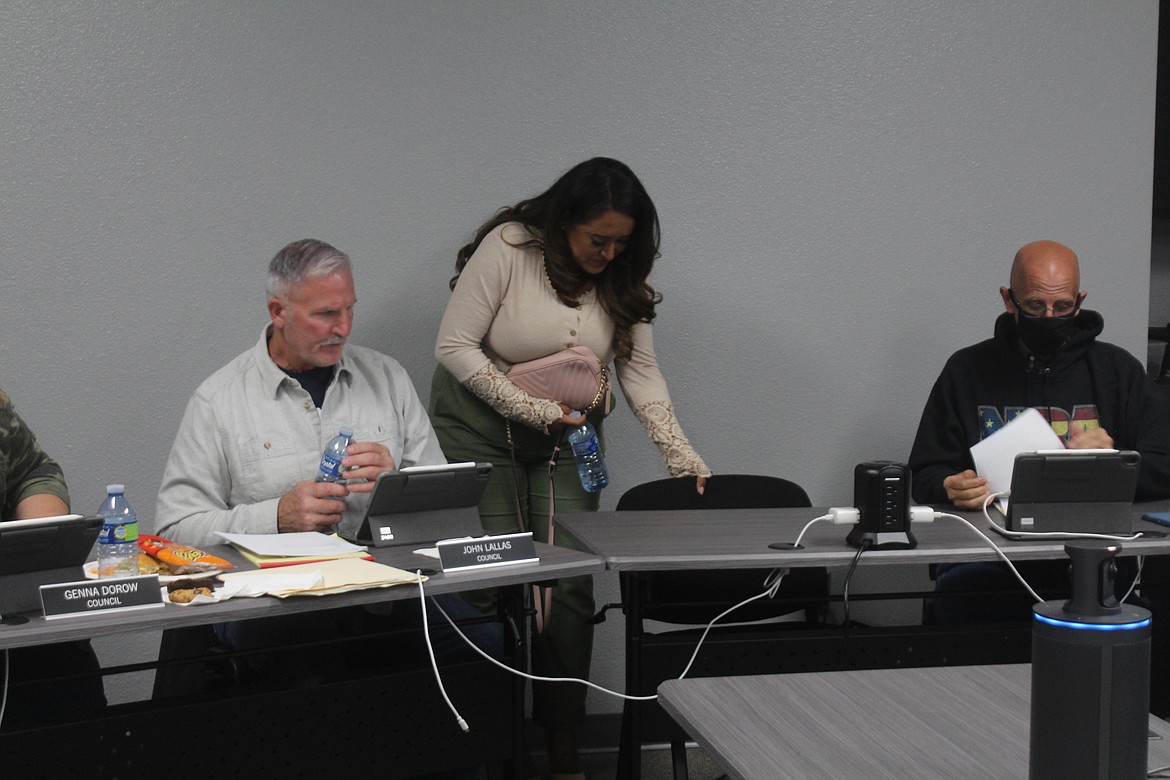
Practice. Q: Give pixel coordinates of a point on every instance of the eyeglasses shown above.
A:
(1036, 308)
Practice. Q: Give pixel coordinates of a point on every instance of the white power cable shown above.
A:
(770, 588)
(1141, 561)
(431, 652)
(992, 544)
(519, 673)
(1137, 578)
(809, 525)
(1022, 535)
(772, 584)
(595, 686)
(838, 515)
(4, 692)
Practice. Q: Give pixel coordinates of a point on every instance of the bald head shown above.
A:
(1047, 263)
(1044, 274)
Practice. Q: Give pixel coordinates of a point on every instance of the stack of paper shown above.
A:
(995, 456)
(321, 579)
(269, 550)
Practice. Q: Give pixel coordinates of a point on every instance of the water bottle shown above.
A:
(590, 463)
(330, 468)
(118, 541)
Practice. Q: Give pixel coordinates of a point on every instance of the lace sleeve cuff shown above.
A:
(490, 384)
(657, 417)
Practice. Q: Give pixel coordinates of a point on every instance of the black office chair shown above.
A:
(695, 597)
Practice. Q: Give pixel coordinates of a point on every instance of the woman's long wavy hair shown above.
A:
(581, 195)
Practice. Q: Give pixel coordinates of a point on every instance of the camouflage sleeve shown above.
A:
(25, 469)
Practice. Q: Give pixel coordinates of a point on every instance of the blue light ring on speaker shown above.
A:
(1129, 625)
(1082, 626)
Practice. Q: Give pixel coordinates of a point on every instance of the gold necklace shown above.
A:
(587, 286)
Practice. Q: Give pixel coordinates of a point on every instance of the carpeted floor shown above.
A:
(655, 765)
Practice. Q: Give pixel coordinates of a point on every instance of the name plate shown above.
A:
(66, 599)
(502, 550)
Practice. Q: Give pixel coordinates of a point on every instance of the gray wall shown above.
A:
(841, 186)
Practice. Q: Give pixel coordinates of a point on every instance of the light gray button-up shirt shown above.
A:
(251, 432)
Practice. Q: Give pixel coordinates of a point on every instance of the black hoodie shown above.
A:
(1087, 383)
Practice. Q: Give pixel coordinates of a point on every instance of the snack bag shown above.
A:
(181, 558)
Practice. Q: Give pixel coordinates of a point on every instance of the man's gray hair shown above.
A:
(300, 260)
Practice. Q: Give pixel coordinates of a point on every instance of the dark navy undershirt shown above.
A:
(315, 381)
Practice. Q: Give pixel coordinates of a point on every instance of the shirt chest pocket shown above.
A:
(267, 467)
(383, 433)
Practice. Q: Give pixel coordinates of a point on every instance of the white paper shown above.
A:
(433, 552)
(322, 578)
(302, 543)
(258, 582)
(464, 466)
(265, 581)
(995, 456)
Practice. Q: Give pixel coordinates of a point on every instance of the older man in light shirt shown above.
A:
(247, 451)
(246, 455)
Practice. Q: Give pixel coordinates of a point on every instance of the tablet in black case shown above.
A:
(39, 552)
(1068, 490)
(422, 505)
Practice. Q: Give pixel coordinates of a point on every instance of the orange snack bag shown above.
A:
(183, 558)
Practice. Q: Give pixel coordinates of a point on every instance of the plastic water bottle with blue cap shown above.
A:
(330, 469)
(118, 541)
(587, 450)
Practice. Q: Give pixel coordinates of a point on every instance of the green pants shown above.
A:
(470, 430)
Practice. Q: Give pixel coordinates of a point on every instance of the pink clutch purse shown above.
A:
(574, 376)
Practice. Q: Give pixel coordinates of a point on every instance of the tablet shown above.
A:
(47, 543)
(420, 505)
(1082, 491)
(39, 552)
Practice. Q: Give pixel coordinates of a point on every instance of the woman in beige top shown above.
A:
(568, 267)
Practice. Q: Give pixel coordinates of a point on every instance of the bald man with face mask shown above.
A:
(1045, 356)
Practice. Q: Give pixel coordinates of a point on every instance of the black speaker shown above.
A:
(1090, 677)
(881, 493)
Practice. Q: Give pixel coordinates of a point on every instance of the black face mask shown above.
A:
(1044, 336)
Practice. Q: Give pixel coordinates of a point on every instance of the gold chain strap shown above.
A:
(601, 388)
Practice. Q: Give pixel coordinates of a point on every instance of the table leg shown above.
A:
(630, 746)
(511, 612)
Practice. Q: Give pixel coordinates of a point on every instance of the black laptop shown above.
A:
(423, 504)
(1078, 491)
(41, 552)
